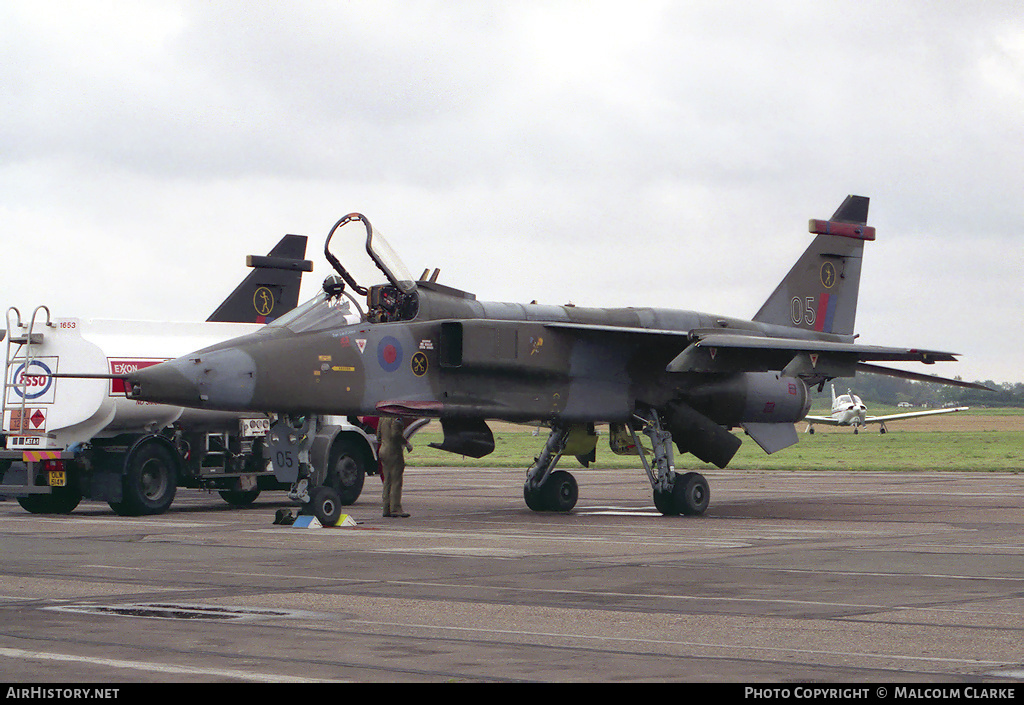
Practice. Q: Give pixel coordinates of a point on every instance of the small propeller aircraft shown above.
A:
(849, 410)
(385, 343)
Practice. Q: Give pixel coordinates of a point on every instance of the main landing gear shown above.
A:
(550, 490)
(674, 493)
(547, 489)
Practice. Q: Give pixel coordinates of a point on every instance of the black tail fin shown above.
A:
(820, 291)
(272, 289)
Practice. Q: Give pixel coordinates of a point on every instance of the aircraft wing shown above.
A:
(918, 377)
(912, 414)
(796, 356)
(803, 357)
(827, 420)
(863, 353)
(770, 345)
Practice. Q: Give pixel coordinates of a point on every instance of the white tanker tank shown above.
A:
(42, 412)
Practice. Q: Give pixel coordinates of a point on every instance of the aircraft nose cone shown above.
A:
(221, 379)
(164, 383)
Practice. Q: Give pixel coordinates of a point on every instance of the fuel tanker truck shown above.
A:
(69, 438)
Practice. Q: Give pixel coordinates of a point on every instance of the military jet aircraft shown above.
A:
(423, 349)
(849, 410)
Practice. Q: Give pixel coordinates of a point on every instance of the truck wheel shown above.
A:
(347, 470)
(240, 498)
(62, 500)
(150, 480)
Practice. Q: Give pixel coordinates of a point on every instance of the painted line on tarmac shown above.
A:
(65, 520)
(1009, 673)
(232, 573)
(612, 594)
(893, 574)
(575, 638)
(676, 597)
(156, 667)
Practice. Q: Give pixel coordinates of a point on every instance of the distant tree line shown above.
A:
(880, 389)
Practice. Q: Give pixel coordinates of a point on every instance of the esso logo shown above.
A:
(32, 384)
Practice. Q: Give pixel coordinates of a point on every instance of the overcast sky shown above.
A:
(606, 153)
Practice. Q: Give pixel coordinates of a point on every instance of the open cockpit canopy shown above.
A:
(380, 280)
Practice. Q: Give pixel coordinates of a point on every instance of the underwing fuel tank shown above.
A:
(753, 397)
(765, 404)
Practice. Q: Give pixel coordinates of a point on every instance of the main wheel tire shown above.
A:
(560, 491)
(150, 480)
(325, 505)
(691, 494)
(534, 498)
(664, 502)
(346, 470)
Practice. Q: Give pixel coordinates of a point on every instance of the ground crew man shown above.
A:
(390, 433)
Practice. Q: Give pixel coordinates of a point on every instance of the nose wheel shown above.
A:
(325, 505)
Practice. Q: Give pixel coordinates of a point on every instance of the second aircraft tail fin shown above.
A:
(272, 289)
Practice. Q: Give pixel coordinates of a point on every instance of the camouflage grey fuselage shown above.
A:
(463, 358)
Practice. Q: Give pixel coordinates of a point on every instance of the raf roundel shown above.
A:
(389, 353)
